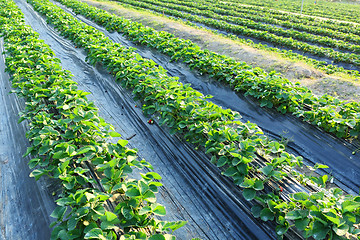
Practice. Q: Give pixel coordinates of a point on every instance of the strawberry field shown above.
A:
(131, 133)
(329, 45)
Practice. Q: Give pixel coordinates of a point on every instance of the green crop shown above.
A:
(289, 54)
(267, 33)
(271, 90)
(71, 143)
(240, 150)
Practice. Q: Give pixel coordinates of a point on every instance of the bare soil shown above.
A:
(319, 82)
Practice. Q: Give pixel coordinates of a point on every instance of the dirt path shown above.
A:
(317, 81)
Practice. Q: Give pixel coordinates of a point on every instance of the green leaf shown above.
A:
(272, 206)
(153, 175)
(37, 173)
(34, 162)
(157, 237)
(319, 231)
(127, 212)
(144, 210)
(71, 224)
(115, 134)
(59, 213)
(249, 194)
(111, 217)
(341, 230)
(159, 210)
(210, 150)
(60, 155)
(301, 196)
(83, 150)
(105, 225)
(332, 217)
(349, 206)
(258, 185)
(242, 168)
(149, 196)
(143, 187)
(55, 232)
(301, 224)
(267, 170)
(256, 210)
(281, 229)
(123, 142)
(247, 183)
(28, 151)
(63, 235)
(222, 161)
(182, 124)
(132, 192)
(95, 233)
(44, 149)
(296, 214)
(320, 166)
(349, 218)
(189, 108)
(174, 225)
(266, 215)
(231, 171)
(236, 161)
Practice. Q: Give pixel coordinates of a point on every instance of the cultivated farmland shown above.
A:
(135, 133)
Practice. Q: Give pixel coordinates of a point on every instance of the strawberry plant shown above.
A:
(321, 65)
(211, 12)
(304, 23)
(70, 142)
(271, 90)
(259, 31)
(335, 10)
(241, 150)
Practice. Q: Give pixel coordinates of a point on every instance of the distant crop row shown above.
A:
(239, 149)
(278, 17)
(326, 9)
(67, 136)
(235, 14)
(233, 17)
(289, 54)
(294, 17)
(263, 34)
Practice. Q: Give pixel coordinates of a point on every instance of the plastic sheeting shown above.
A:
(194, 190)
(306, 140)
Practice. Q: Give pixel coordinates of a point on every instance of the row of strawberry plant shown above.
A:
(346, 27)
(240, 149)
(272, 90)
(340, 11)
(228, 11)
(321, 65)
(273, 14)
(65, 133)
(260, 31)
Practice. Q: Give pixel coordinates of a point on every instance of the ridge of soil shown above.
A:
(319, 82)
